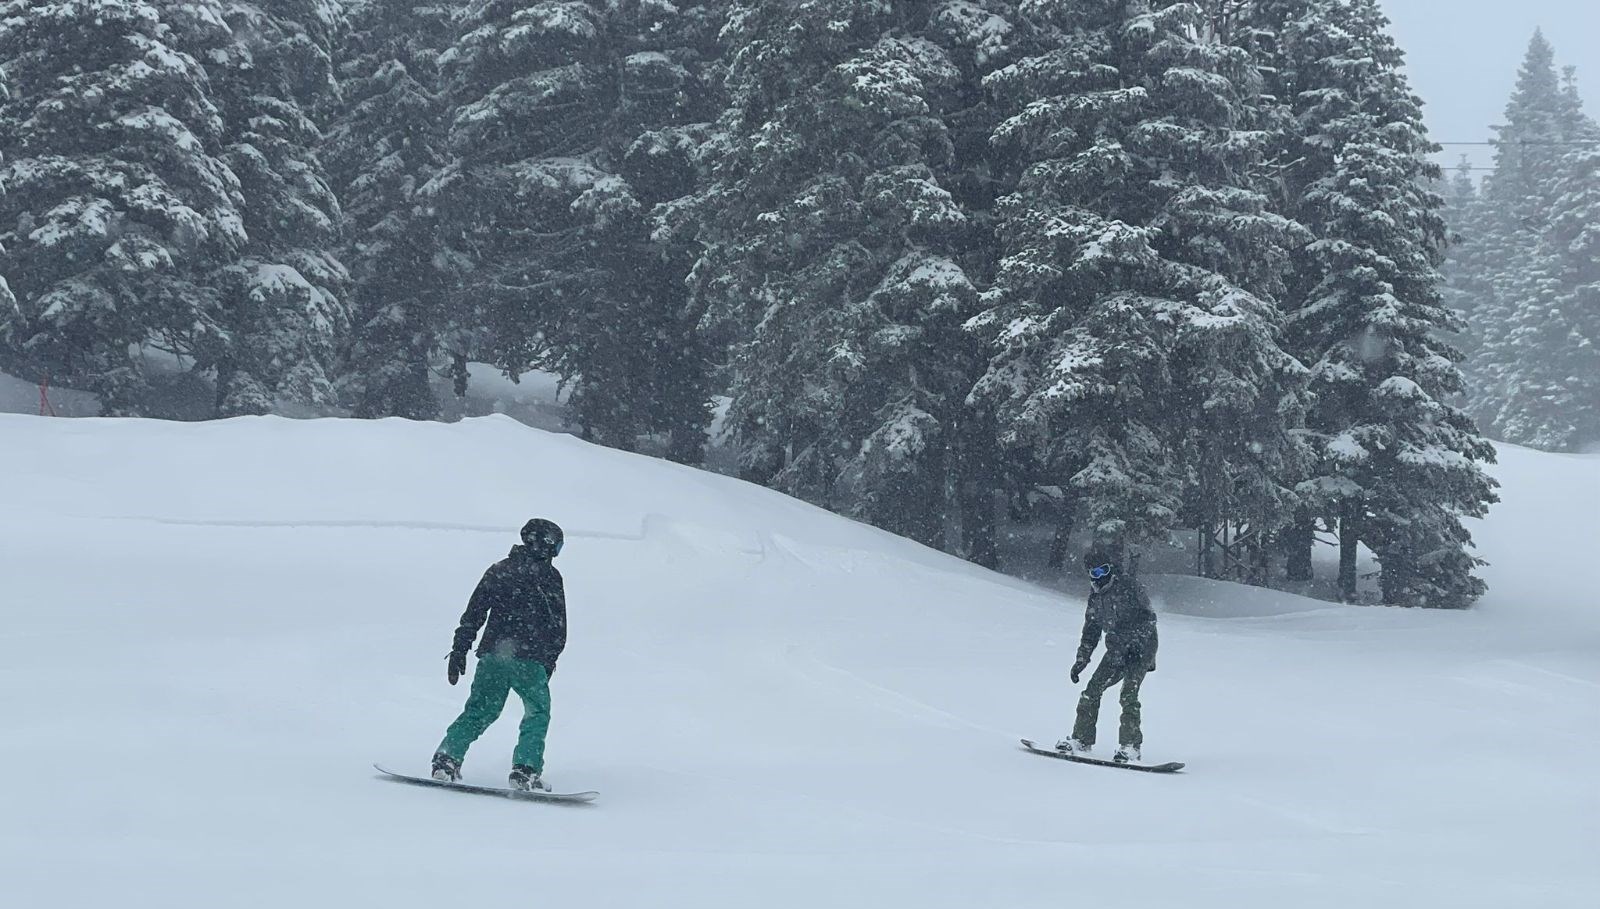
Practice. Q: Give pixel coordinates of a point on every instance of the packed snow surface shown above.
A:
(213, 629)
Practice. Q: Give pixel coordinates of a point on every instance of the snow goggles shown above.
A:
(1100, 571)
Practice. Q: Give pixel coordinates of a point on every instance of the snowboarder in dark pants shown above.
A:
(524, 602)
(1119, 608)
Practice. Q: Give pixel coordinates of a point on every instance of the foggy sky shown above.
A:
(1462, 58)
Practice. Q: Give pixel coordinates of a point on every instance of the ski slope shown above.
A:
(211, 631)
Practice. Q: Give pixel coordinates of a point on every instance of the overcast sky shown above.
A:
(1462, 57)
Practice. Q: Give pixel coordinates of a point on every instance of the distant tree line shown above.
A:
(1525, 266)
(1127, 267)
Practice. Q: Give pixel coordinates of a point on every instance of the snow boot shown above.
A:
(1071, 746)
(526, 779)
(1127, 754)
(446, 769)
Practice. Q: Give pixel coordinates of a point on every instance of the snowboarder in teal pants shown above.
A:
(524, 603)
(1119, 608)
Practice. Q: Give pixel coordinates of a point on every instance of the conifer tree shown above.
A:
(525, 88)
(10, 314)
(118, 200)
(1397, 463)
(1466, 269)
(1545, 366)
(1533, 364)
(1540, 122)
(1131, 325)
(641, 363)
(385, 146)
(980, 37)
(573, 121)
(829, 242)
(283, 298)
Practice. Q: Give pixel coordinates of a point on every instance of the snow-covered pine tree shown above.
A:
(572, 121)
(978, 36)
(1397, 462)
(284, 305)
(1516, 197)
(10, 314)
(1574, 237)
(1546, 365)
(117, 200)
(1539, 125)
(1466, 266)
(387, 142)
(640, 363)
(1518, 387)
(527, 92)
(1132, 329)
(828, 240)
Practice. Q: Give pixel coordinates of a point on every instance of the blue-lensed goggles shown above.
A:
(1100, 571)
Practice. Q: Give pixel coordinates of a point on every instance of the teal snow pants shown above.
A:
(495, 677)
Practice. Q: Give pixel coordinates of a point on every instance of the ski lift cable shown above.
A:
(1526, 142)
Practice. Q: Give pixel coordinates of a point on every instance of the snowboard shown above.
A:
(525, 795)
(1169, 767)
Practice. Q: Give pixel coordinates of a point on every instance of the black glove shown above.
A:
(1077, 670)
(457, 664)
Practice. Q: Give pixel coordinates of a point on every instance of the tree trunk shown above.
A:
(1208, 550)
(975, 483)
(1062, 538)
(1349, 537)
(1299, 540)
(930, 508)
(1260, 561)
(979, 530)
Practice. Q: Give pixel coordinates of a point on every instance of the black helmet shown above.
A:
(543, 538)
(1101, 564)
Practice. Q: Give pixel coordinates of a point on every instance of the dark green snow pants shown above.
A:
(495, 677)
(1110, 671)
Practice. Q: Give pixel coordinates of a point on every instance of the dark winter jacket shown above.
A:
(1122, 612)
(525, 603)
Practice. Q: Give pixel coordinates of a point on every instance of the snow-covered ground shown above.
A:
(212, 629)
(18, 396)
(536, 398)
